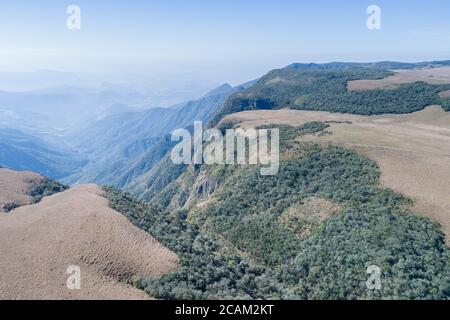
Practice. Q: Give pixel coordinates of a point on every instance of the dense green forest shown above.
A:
(238, 239)
(325, 89)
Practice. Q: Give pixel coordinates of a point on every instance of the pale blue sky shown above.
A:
(223, 41)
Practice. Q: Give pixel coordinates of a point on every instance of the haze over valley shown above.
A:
(356, 145)
(224, 150)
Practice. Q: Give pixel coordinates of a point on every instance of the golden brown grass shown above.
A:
(439, 75)
(303, 217)
(76, 227)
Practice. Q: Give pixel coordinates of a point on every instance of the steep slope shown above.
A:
(123, 147)
(76, 227)
(309, 232)
(156, 122)
(153, 181)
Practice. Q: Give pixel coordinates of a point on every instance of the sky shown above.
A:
(222, 41)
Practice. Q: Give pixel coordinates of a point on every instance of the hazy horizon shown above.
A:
(221, 42)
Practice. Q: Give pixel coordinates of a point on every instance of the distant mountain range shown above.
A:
(124, 146)
(28, 81)
(87, 134)
(54, 113)
(99, 135)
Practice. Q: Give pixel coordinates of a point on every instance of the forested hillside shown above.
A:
(309, 232)
(324, 88)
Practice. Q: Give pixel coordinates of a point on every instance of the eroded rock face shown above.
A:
(76, 227)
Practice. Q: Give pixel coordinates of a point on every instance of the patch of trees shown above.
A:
(288, 132)
(45, 188)
(384, 65)
(445, 103)
(7, 207)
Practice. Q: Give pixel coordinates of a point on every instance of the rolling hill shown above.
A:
(15, 188)
(74, 227)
